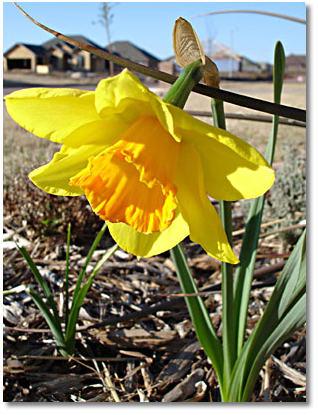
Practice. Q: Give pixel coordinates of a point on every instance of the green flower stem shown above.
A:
(228, 328)
(205, 331)
(180, 90)
(199, 314)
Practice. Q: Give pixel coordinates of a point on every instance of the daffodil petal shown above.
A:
(113, 95)
(101, 132)
(124, 94)
(204, 223)
(232, 168)
(147, 245)
(52, 113)
(132, 180)
(228, 175)
(54, 177)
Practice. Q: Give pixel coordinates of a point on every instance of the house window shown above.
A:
(80, 61)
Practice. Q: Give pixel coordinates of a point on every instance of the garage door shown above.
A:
(19, 63)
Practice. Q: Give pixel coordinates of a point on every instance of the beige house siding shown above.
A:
(59, 56)
(85, 61)
(97, 64)
(56, 59)
(20, 53)
(295, 64)
(169, 66)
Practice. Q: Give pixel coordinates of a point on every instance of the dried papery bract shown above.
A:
(188, 48)
(186, 44)
(211, 73)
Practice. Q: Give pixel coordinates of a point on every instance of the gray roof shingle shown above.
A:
(55, 41)
(130, 51)
(36, 49)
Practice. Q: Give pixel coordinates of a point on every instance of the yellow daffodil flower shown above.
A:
(145, 166)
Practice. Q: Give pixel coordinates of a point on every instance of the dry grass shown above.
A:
(21, 149)
(256, 133)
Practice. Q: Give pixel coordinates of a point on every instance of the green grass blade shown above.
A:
(79, 299)
(200, 318)
(288, 292)
(300, 287)
(87, 261)
(245, 271)
(67, 264)
(42, 283)
(292, 281)
(51, 321)
(103, 259)
(292, 321)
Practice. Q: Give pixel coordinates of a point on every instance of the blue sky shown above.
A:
(149, 25)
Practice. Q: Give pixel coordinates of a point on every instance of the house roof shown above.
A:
(296, 59)
(36, 49)
(215, 50)
(248, 61)
(130, 51)
(55, 42)
(170, 58)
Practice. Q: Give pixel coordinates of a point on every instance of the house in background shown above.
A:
(128, 50)
(295, 65)
(169, 65)
(58, 55)
(54, 55)
(225, 59)
(64, 57)
(23, 56)
(229, 62)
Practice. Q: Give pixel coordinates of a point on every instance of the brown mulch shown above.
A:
(135, 341)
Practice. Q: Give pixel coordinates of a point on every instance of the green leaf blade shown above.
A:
(87, 261)
(284, 312)
(47, 292)
(199, 315)
(245, 271)
(79, 299)
(51, 321)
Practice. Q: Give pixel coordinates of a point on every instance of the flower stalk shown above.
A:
(177, 95)
(180, 90)
(228, 327)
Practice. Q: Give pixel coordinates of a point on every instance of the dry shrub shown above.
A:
(34, 213)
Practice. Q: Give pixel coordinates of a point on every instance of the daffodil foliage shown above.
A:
(146, 167)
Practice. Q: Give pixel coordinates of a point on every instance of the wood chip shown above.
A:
(184, 389)
(289, 373)
(178, 366)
